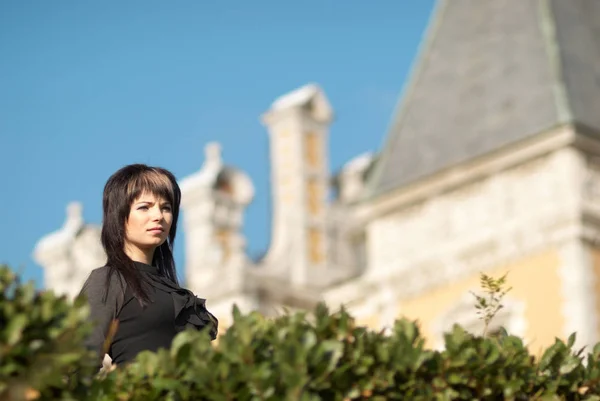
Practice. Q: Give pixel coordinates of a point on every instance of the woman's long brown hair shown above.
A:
(120, 191)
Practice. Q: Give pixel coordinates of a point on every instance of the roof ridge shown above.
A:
(547, 23)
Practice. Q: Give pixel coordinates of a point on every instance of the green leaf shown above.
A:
(163, 383)
(569, 366)
(14, 329)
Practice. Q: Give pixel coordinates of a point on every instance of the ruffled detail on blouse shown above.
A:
(190, 311)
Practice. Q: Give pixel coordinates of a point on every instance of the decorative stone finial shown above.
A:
(74, 214)
(212, 153)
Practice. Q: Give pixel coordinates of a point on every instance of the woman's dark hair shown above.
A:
(120, 191)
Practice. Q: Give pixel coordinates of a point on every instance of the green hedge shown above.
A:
(321, 356)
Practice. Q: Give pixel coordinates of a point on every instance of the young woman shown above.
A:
(138, 285)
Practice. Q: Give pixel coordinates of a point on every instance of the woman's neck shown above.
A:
(139, 255)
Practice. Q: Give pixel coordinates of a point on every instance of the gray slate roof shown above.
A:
(491, 73)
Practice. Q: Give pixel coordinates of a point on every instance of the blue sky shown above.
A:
(89, 86)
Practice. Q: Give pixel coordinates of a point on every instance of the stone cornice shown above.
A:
(468, 172)
(587, 144)
(590, 226)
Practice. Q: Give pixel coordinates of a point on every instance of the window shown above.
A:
(223, 183)
(315, 198)
(315, 246)
(313, 150)
(223, 237)
(510, 317)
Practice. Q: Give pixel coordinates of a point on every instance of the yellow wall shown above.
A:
(369, 321)
(534, 280)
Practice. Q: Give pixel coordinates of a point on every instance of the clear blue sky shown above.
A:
(89, 86)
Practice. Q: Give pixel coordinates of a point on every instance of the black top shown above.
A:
(171, 310)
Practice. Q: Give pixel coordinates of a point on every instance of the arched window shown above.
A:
(511, 317)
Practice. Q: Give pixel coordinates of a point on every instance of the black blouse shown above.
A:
(171, 310)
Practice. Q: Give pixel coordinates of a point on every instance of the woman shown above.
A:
(138, 285)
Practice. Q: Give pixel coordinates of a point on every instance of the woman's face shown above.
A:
(149, 223)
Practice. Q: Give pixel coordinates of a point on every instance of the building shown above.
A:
(490, 165)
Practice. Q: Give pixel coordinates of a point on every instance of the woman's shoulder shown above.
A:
(98, 279)
(99, 272)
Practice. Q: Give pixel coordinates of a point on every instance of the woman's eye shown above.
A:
(143, 208)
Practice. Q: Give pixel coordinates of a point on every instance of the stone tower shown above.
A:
(298, 125)
(70, 254)
(213, 203)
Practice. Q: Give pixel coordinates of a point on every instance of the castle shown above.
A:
(491, 164)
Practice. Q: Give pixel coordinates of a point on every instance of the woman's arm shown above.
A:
(102, 311)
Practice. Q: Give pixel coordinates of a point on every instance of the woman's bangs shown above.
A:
(151, 182)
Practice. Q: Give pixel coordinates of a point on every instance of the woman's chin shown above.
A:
(154, 243)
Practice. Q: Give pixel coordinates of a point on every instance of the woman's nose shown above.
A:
(157, 215)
